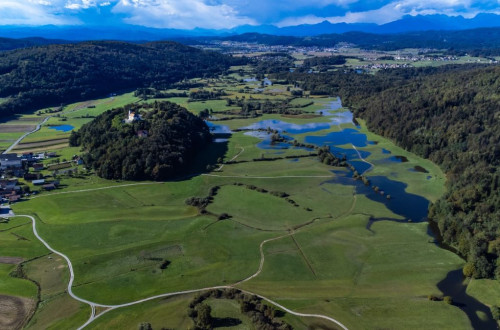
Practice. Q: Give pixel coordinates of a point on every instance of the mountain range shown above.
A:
(135, 33)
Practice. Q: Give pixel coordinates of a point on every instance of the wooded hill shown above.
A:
(450, 115)
(37, 77)
(158, 146)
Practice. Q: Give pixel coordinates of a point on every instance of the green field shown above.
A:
(129, 241)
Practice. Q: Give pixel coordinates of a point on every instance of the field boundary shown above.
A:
(93, 305)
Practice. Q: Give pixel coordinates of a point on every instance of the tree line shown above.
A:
(449, 115)
(37, 77)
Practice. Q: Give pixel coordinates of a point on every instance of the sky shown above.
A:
(226, 14)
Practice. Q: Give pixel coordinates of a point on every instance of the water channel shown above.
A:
(410, 207)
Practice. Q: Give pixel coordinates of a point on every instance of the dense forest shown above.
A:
(50, 75)
(484, 41)
(157, 145)
(450, 115)
(10, 44)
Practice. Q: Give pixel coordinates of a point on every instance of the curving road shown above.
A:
(93, 305)
(239, 153)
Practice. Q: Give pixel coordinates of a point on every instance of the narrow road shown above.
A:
(239, 153)
(270, 177)
(95, 189)
(364, 160)
(93, 305)
(37, 128)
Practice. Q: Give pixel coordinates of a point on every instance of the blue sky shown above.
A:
(221, 14)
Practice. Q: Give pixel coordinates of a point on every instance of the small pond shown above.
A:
(63, 128)
(218, 129)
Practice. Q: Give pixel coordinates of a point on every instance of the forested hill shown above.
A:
(453, 118)
(50, 75)
(158, 145)
(10, 44)
(450, 115)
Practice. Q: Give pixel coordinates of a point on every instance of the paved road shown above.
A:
(37, 128)
(93, 305)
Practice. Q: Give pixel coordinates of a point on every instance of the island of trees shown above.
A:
(142, 142)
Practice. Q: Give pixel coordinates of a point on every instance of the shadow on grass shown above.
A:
(206, 160)
(225, 322)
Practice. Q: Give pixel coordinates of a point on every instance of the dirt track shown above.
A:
(14, 311)
(10, 260)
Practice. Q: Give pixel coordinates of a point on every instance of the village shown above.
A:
(31, 173)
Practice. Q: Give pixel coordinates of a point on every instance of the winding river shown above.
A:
(409, 207)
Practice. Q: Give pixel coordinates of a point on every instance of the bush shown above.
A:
(495, 311)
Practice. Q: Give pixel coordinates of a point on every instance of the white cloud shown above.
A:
(185, 14)
(394, 11)
(85, 4)
(32, 12)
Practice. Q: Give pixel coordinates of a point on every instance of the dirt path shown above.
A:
(271, 177)
(303, 255)
(236, 156)
(363, 160)
(94, 305)
(95, 189)
(37, 128)
(14, 311)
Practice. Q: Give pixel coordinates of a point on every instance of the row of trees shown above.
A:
(263, 316)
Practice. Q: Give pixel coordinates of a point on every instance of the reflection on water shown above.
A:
(454, 287)
(288, 127)
(218, 129)
(409, 206)
(345, 136)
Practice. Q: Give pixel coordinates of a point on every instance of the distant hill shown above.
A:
(467, 40)
(140, 33)
(10, 44)
(37, 77)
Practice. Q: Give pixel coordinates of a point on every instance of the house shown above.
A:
(142, 133)
(38, 182)
(8, 184)
(49, 186)
(132, 116)
(27, 156)
(30, 176)
(10, 161)
(78, 160)
(38, 167)
(14, 198)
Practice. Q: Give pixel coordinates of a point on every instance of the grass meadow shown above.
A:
(120, 234)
